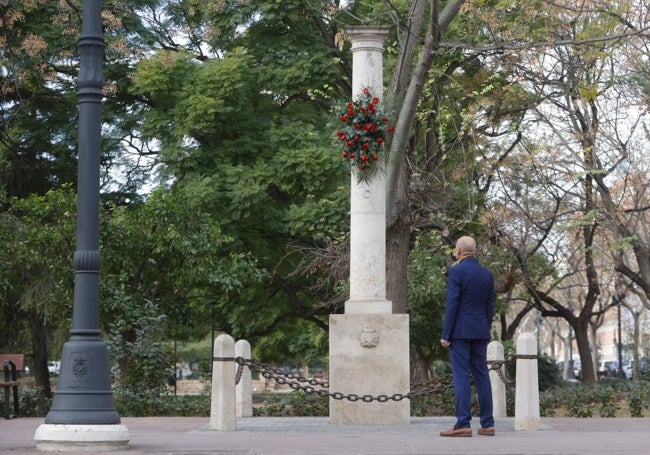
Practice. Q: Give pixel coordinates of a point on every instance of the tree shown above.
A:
(252, 126)
(580, 150)
(37, 247)
(38, 114)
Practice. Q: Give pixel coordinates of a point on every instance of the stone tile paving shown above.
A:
(315, 436)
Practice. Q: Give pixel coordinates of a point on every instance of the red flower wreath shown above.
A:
(364, 134)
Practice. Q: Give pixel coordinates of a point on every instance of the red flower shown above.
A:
(364, 132)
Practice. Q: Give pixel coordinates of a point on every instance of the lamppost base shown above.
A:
(81, 438)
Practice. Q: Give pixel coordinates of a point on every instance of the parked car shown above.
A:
(577, 369)
(628, 367)
(54, 366)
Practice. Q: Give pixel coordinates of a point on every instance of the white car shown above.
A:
(54, 366)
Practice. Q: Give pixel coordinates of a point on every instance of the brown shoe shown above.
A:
(456, 432)
(486, 431)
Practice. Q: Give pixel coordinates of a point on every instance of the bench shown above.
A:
(11, 364)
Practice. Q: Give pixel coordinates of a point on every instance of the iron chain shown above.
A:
(296, 382)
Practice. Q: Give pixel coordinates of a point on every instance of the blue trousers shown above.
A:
(470, 357)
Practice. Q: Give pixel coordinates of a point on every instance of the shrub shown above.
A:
(639, 398)
(607, 397)
(31, 402)
(296, 403)
(142, 358)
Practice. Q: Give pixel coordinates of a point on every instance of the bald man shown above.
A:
(469, 310)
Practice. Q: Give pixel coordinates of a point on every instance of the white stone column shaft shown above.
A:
(527, 387)
(223, 413)
(244, 388)
(368, 199)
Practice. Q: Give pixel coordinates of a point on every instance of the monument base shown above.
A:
(369, 355)
(81, 438)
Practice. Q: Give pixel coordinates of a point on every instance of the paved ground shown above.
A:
(315, 436)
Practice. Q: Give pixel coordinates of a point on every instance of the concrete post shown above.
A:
(223, 413)
(244, 388)
(369, 346)
(495, 353)
(527, 386)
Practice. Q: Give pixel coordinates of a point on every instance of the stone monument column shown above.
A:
(367, 199)
(369, 346)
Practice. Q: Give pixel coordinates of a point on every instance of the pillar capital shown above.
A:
(367, 38)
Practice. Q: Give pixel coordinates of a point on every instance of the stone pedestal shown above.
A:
(81, 438)
(369, 355)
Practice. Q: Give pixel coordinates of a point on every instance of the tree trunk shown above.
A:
(420, 367)
(397, 254)
(40, 354)
(581, 331)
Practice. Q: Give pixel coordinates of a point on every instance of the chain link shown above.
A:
(296, 383)
(497, 365)
(320, 387)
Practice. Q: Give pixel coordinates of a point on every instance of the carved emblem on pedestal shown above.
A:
(369, 337)
(80, 367)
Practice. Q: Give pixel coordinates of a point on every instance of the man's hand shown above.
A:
(445, 343)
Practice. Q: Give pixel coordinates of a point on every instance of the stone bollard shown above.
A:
(527, 387)
(244, 388)
(495, 353)
(223, 413)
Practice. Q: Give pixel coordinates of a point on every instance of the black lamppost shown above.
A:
(83, 394)
(619, 344)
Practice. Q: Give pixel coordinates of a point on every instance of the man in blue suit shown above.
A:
(469, 309)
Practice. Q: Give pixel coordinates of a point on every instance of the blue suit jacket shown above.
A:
(469, 308)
